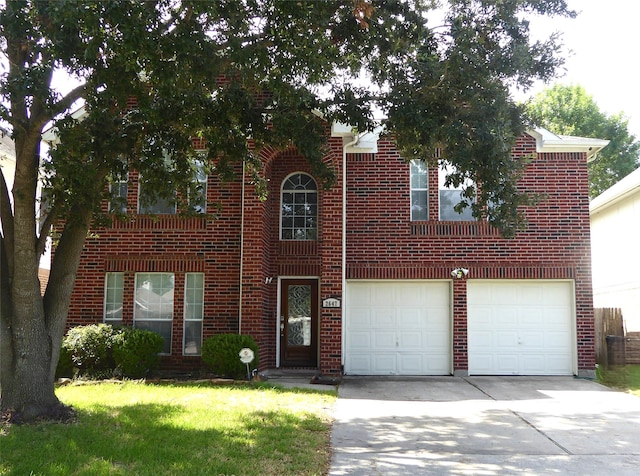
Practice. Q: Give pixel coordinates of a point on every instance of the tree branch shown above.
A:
(6, 219)
(61, 106)
(45, 231)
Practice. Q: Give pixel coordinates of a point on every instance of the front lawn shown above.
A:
(187, 429)
(625, 377)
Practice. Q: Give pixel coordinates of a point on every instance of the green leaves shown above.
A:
(570, 110)
(245, 74)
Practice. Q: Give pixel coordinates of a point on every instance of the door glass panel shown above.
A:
(299, 315)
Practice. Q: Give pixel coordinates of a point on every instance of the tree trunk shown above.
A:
(32, 326)
(32, 330)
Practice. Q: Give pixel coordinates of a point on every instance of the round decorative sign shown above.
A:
(246, 355)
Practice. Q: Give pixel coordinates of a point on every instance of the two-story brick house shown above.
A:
(376, 276)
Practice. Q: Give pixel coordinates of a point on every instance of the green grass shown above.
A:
(186, 429)
(625, 377)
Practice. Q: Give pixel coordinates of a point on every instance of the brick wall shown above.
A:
(382, 243)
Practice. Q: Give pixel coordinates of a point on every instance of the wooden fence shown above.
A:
(608, 323)
(613, 345)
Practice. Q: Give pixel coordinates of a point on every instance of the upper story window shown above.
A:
(451, 195)
(299, 208)
(198, 191)
(419, 190)
(152, 203)
(118, 188)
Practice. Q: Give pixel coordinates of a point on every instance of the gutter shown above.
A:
(345, 146)
(241, 250)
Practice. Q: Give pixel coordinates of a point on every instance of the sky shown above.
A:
(602, 54)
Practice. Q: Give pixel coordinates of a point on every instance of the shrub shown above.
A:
(135, 352)
(91, 349)
(221, 354)
(65, 362)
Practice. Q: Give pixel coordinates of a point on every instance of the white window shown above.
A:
(299, 208)
(153, 306)
(198, 191)
(148, 203)
(118, 188)
(450, 196)
(113, 292)
(193, 313)
(419, 190)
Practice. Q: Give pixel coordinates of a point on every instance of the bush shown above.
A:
(135, 352)
(65, 362)
(221, 354)
(91, 349)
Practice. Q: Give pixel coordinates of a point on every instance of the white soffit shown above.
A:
(547, 141)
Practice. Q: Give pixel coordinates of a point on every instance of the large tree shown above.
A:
(570, 110)
(240, 74)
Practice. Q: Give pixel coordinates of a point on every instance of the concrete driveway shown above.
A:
(484, 426)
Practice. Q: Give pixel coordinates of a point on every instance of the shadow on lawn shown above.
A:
(156, 439)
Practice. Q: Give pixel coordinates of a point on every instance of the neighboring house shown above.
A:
(381, 299)
(615, 230)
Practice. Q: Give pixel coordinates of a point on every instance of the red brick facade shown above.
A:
(239, 253)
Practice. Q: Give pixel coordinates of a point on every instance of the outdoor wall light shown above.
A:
(459, 273)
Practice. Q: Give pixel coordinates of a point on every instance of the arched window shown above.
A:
(299, 208)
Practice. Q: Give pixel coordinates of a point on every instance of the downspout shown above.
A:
(344, 236)
(241, 250)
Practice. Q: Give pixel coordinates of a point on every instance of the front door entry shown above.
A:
(299, 323)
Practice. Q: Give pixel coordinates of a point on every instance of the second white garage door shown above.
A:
(520, 327)
(398, 328)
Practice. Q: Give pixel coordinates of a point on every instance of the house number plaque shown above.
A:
(331, 302)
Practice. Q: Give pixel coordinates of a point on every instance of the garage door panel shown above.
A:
(385, 364)
(505, 339)
(361, 363)
(520, 327)
(410, 318)
(383, 318)
(359, 340)
(360, 318)
(437, 342)
(482, 362)
(411, 340)
(534, 341)
(505, 317)
(384, 340)
(532, 363)
(557, 340)
(409, 327)
(410, 364)
(506, 363)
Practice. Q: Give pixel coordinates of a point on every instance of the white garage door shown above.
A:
(520, 328)
(398, 328)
